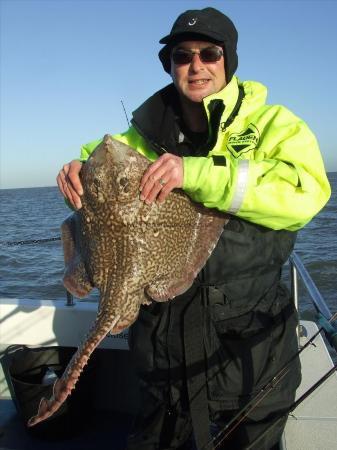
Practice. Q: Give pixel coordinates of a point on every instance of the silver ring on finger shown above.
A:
(162, 182)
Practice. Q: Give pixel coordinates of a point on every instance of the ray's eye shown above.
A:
(124, 182)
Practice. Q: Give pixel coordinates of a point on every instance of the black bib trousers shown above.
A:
(244, 324)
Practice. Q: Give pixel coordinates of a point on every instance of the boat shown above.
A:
(102, 413)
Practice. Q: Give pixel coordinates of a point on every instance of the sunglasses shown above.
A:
(207, 55)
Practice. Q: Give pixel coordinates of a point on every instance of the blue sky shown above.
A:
(66, 66)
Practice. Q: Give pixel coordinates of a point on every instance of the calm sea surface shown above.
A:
(35, 271)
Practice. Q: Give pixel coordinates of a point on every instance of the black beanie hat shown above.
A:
(206, 24)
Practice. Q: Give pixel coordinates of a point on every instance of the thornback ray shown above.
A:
(134, 253)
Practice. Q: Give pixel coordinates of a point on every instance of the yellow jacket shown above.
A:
(271, 172)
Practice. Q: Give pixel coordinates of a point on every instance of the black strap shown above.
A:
(236, 108)
(219, 160)
(196, 374)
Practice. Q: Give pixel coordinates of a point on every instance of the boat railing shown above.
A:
(70, 299)
(298, 272)
(323, 315)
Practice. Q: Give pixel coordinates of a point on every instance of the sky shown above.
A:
(66, 65)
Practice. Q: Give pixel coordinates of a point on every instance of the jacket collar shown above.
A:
(227, 96)
(158, 118)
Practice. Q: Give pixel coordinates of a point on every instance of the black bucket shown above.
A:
(26, 370)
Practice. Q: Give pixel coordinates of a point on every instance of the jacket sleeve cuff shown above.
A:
(206, 180)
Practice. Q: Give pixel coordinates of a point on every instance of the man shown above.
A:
(205, 354)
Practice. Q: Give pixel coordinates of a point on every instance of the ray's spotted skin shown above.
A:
(132, 252)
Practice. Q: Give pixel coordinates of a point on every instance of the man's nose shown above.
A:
(196, 63)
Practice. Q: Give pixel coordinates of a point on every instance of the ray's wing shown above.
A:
(197, 246)
(75, 277)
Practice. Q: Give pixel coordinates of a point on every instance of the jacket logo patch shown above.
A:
(243, 142)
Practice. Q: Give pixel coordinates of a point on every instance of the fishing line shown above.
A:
(252, 404)
(30, 241)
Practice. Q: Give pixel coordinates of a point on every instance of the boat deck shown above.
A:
(312, 426)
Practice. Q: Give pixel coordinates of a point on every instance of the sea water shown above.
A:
(34, 271)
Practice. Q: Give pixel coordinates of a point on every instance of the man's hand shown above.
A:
(69, 183)
(161, 178)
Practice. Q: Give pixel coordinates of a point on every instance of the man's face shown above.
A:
(198, 79)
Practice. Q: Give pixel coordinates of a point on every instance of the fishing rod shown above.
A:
(127, 119)
(255, 401)
(293, 406)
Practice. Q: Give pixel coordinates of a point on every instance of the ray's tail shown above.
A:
(63, 386)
